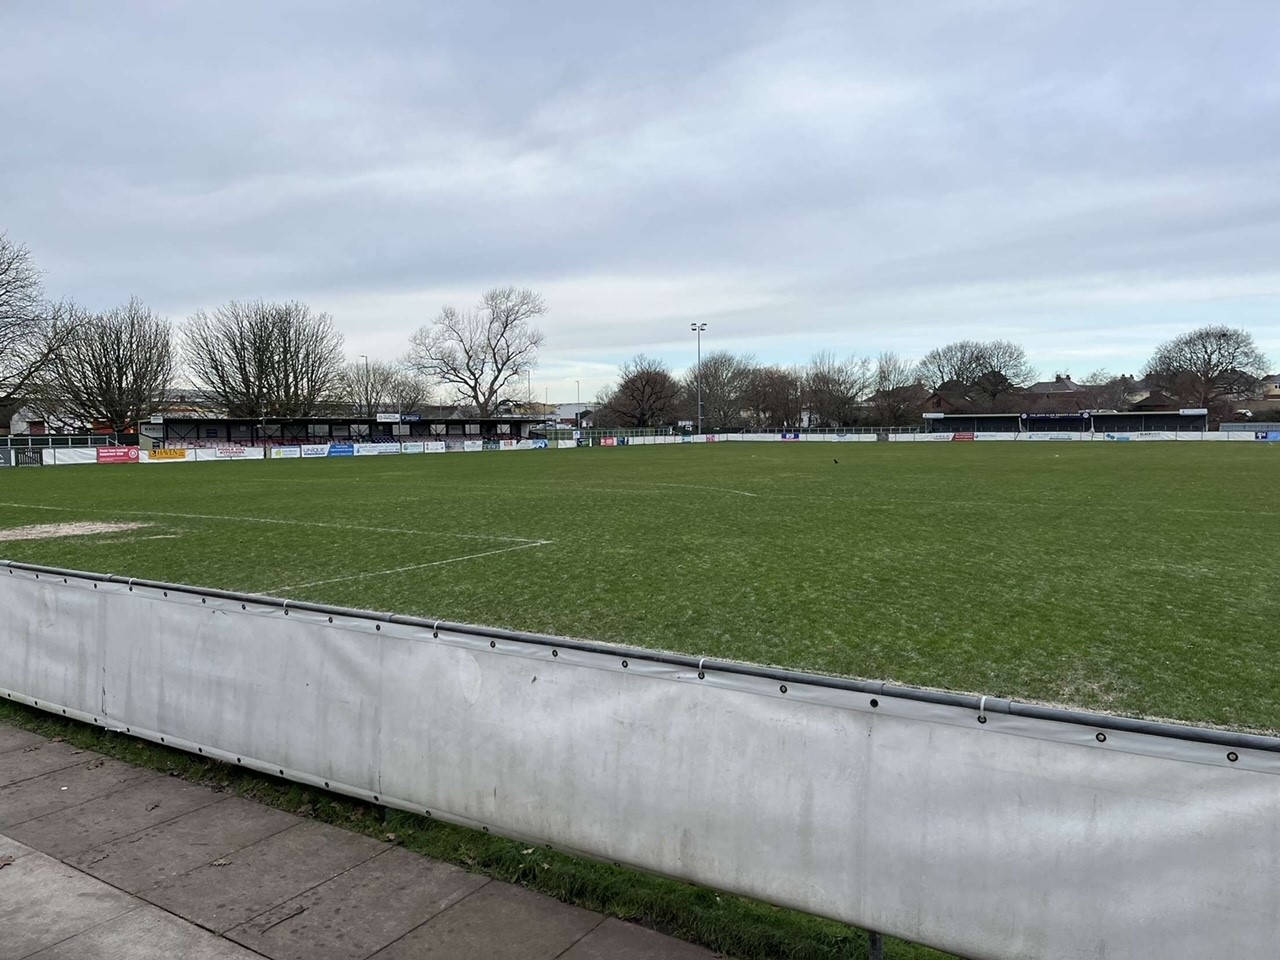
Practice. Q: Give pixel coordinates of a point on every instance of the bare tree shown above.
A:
(410, 392)
(724, 383)
(29, 332)
(992, 371)
(647, 395)
(1208, 367)
(897, 392)
(1103, 390)
(775, 397)
(961, 362)
(834, 389)
(265, 359)
(112, 368)
(365, 388)
(476, 353)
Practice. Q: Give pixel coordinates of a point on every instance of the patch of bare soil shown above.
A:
(48, 531)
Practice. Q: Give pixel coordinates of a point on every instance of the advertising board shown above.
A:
(315, 449)
(286, 453)
(117, 454)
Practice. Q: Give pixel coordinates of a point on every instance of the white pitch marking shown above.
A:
(414, 566)
(285, 522)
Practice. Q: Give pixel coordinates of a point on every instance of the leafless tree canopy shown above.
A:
(775, 397)
(112, 368)
(265, 359)
(835, 388)
(1103, 390)
(896, 392)
(647, 395)
(1207, 367)
(992, 371)
(476, 353)
(724, 384)
(29, 334)
(370, 388)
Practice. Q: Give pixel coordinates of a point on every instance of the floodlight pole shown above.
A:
(577, 417)
(698, 328)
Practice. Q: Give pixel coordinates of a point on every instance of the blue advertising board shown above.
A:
(342, 450)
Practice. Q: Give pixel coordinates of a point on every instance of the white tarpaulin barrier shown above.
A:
(989, 829)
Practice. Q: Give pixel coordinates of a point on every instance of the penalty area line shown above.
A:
(413, 566)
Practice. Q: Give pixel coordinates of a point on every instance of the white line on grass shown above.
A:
(286, 522)
(414, 566)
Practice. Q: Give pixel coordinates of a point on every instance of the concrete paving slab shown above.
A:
(616, 940)
(147, 933)
(11, 738)
(498, 922)
(38, 759)
(43, 902)
(226, 893)
(67, 832)
(360, 911)
(159, 854)
(12, 848)
(95, 777)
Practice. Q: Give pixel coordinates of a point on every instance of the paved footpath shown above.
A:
(100, 859)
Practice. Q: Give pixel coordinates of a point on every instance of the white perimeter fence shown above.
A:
(988, 828)
(58, 456)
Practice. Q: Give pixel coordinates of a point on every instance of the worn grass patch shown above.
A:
(1136, 578)
(731, 925)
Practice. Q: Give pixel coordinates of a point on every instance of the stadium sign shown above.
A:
(117, 454)
(388, 418)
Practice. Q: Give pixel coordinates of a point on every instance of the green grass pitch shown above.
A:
(1136, 578)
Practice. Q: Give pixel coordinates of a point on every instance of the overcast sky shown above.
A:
(1087, 178)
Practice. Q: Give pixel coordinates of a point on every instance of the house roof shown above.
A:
(1059, 384)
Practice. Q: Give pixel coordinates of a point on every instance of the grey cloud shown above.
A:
(879, 173)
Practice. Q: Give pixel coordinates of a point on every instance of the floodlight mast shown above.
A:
(698, 329)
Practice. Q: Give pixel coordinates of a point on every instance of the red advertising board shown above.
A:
(117, 454)
(963, 436)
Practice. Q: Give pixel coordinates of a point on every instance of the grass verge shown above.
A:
(734, 926)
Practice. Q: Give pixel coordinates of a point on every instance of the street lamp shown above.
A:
(698, 329)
